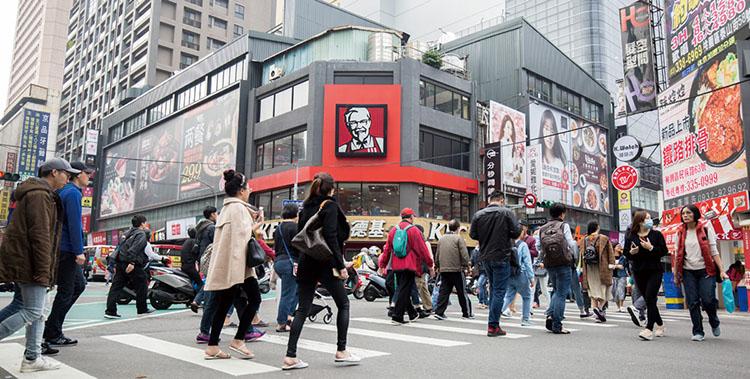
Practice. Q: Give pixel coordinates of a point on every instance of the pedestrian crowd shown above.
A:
(226, 258)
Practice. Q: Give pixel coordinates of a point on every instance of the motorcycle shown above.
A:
(365, 266)
(166, 286)
(264, 280)
(375, 288)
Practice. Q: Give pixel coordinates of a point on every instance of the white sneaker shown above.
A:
(659, 330)
(39, 364)
(646, 335)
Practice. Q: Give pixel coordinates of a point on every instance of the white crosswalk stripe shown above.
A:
(441, 328)
(11, 355)
(504, 325)
(321, 347)
(541, 320)
(393, 336)
(234, 367)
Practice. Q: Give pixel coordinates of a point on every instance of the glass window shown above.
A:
(381, 199)
(349, 197)
(282, 154)
(442, 206)
(190, 40)
(191, 17)
(283, 102)
(263, 199)
(187, 59)
(426, 145)
(456, 104)
(465, 208)
(443, 100)
(266, 108)
(426, 199)
(238, 30)
(299, 146)
(259, 152)
(268, 155)
(430, 97)
(239, 11)
(455, 205)
(214, 44)
(422, 93)
(360, 78)
(218, 23)
(221, 3)
(277, 197)
(465, 107)
(442, 151)
(301, 92)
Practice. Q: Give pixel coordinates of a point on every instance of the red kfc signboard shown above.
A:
(361, 130)
(625, 177)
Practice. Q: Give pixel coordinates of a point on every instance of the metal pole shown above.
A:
(296, 180)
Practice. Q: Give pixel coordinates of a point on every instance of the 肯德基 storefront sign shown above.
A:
(702, 138)
(698, 30)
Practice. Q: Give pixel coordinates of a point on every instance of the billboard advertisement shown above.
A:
(361, 130)
(639, 84)
(697, 30)
(573, 159)
(702, 139)
(33, 152)
(181, 158)
(508, 129)
(492, 167)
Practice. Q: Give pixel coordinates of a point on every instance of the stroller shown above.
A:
(317, 308)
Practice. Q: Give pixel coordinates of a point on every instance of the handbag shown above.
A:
(728, 292)
(310, 241)
(255, 255)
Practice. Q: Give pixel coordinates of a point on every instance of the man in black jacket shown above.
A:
(205, 236)
(129, 267)
(494, 227)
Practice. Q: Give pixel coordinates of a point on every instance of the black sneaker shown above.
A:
(468, 317)
(48, 351)
(600, 315)
(586, 314)
(439, 317)
(633, 317)
(62, 341)
(111, 316)
(413, 316)
(147, 311)
(390, 312)
(423, 314)
(548, 323)
(397, 322)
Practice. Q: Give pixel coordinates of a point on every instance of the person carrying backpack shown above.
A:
(406, 250)
(189, 256)
(556, 246)
(130, 260)
(494, 227)
(598, 255)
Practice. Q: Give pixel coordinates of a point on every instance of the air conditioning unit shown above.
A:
(276, 72)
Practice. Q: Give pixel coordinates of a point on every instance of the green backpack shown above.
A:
(401, 241)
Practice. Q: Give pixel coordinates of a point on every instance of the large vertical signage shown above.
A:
(639, 84)
(33, 152)
(492, 167)
(11, 161)
(508, 129)
(698, 30)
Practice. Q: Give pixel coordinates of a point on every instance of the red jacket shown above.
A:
(679, 260)
(416, 248)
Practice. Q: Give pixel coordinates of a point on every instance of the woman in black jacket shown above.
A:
(644, 247)
(330, 273)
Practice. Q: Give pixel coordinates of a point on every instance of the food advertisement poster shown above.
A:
(172, 160)
(697, 30)
(639, 86)
(573, 159)
(508, 129)
(702, 138)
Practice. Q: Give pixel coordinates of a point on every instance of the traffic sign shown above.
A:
(625, 177)
(529, 200)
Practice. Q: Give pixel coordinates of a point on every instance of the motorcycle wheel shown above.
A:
(370, 294)
(328, 318)
(265, 288)
(160, 304)
(359, 293)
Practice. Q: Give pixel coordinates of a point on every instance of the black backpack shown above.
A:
(555, 245)
(590, 255)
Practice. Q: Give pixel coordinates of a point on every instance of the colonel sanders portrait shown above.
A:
(359, 124)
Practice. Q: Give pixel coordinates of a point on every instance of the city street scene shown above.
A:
(374, 188)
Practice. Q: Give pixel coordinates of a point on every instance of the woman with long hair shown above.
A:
(644, 247)
(552, 149)
(228, 273)
(507, 147)
(331, 273)
(697, 265)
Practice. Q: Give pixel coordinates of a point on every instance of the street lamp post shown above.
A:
(216, 195)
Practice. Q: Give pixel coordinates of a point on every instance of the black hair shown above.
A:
(557, 210)
(234, 182)
(453, 225)
(322, 185)
(692, 208)
(138, 220)
(192, 233)
(290, 211)
(208, 211)
(557, 149)
(593, 226)
(505, 120)
(496, 195)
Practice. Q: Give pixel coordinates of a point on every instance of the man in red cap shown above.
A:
(406, 250)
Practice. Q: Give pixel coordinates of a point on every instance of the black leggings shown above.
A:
(306, 291)
(224, 298)
(648, 282)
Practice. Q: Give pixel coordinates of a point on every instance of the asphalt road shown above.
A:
(162, 346)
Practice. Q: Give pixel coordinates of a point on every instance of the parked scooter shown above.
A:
(166, 286)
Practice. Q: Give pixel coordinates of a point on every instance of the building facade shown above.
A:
(118, 49)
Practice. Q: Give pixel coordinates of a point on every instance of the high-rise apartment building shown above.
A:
(118, 49)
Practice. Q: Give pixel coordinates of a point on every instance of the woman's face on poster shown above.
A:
(508, 130)
(548, 130)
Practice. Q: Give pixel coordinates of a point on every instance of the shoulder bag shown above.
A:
(310, 241)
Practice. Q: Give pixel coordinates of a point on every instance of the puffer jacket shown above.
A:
(30, 249)
(416, 248)
(494, 227)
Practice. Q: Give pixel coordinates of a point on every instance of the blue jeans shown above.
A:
(30, 315)
(288, 302)
(519, 284)
(561, 278)
(209, 308)
(14, 306)
(498, 274)
(700, 292)
(575, 287)
(484, 297)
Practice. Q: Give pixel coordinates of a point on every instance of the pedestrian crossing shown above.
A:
(11, 355)
(440, 328)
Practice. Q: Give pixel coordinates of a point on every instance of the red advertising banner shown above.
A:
(86, 223)
(11, 162)
(99, 238)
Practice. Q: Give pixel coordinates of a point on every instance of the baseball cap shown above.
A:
(407, 212)
(58, 164)
(80, 166)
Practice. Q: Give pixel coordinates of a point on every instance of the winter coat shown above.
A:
(335, 232)
(204, 233)
(606, 257)
(452, 254)
(30, 249)
(133, 249)
(234, 228)
(72, 231)
(416, 251)
(494, 227)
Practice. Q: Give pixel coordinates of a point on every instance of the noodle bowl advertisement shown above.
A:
(573, 159)
(702, 139)
(508, 129)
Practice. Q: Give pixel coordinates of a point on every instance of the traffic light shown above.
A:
(9, 176)
(544, 204)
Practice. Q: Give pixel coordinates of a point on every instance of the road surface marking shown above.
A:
(11, 355)
(540, 320)
(235, 367)
(502, 324)
(320, 347)
(392, 336)
(440, 328)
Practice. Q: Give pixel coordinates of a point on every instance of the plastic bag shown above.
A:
(728, 295)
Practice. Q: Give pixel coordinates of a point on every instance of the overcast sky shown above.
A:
(7, 33)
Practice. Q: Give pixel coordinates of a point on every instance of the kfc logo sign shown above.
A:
(361, 130)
